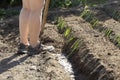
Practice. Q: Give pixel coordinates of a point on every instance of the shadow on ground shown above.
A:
(7, 63)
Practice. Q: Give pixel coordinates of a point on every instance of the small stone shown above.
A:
(49, 48)
(96, 35)
(10, 78)
(109, 54)
(33, 68)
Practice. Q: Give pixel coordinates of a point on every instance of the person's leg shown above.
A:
(23, 22)
(35, 21)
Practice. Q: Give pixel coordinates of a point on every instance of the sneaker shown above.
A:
(38, 49)
(22, 49)
(33, 51)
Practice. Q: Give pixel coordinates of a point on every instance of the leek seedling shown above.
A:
(108, 32)
(94, 22)
(118, 40)
(115, 15)
(83, 13)
(60, 25)
(67, 32)
(74, 47)
(70, 39)
(88, 17)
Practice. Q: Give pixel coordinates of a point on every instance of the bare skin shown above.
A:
(31, 21)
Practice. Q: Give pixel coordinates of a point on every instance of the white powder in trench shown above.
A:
(62, 60)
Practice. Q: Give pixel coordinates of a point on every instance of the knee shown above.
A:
(25, 5)
(25, 9)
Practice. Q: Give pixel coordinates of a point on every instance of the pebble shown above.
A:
(109, 54)
(10, 78)
(33, 68)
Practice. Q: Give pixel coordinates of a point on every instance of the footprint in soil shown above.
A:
(6, 63)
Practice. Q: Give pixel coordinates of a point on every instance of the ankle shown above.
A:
(34, 44)
(25, 43)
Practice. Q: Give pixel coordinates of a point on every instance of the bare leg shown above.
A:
(35, 21)
(23, 23)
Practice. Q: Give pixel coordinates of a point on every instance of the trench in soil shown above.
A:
(83, 61)
(85, 65)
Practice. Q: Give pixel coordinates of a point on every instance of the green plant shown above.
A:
(60, 25)
(108, 32)
(94, 22)
(60, 3)
(2, 13)
(74, 47)
(118, 40)
(116, 14)
(67, 32)
(7, 13)
(88, 16)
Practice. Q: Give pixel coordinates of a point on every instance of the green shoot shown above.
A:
(108, 32)
(74, 47)
(60, 25)
(67, 32)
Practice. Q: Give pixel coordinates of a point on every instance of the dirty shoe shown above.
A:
(22, 49)
(39, 48)
(33, 51)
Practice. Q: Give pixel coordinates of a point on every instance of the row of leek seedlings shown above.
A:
(113, 13)
(67, 33)
(116, 15)
(89, 17)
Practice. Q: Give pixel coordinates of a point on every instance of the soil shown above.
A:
(21, 67)
(96, 51)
